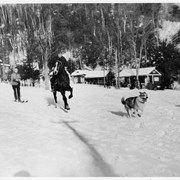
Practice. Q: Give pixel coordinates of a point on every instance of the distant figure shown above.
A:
(15, 82)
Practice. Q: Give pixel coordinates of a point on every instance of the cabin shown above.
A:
(90, 77)
(147, 77)
(96, 77)
(78, 76)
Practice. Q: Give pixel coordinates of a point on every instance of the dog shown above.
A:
(135, 104)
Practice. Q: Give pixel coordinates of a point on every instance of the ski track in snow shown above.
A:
(94, 138)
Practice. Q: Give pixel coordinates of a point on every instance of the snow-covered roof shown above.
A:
(96, 74)
(79, 72)
(90, 74)
(142, 72)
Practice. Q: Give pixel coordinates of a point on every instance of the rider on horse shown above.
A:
(60, 58)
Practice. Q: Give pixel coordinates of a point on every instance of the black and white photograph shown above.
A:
(90, 89)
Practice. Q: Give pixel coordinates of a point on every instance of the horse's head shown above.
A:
(58, 66)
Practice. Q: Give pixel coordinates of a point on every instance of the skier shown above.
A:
(15, 82)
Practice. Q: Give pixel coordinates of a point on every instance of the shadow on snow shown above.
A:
(104, 168)
(50, 101)
(119, 113)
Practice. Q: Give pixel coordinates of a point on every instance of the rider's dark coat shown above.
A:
(61, 80)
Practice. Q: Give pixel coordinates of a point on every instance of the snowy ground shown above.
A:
(95, 138)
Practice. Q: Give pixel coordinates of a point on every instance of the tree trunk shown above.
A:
(104, 79)
(12, 58)
(120, 54)
(46, 71)
(80, 63)
(145, 48)
(135, 56)
(117, 69)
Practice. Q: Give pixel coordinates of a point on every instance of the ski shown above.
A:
(23, 101)
(65, 110)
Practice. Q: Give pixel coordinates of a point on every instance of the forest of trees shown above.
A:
(113, 36)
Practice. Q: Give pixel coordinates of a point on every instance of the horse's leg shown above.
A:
(71, 93)
(55, 98)
(66, 106)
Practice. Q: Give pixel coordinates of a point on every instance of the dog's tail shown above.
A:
(123, 100)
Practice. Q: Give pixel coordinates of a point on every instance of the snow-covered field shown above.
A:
(95, 138)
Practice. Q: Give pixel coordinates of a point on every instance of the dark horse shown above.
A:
(62, 84)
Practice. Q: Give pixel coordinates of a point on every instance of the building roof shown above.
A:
(96, 74)
(124, 73)
(142, 72)
(79, 72)
(90, 74)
